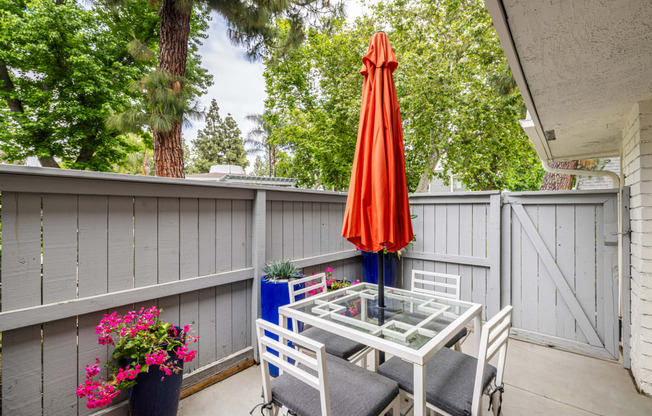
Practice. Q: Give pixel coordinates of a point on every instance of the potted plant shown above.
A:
(149, 356)
(353, 307)
(274, 292)
(392, 264)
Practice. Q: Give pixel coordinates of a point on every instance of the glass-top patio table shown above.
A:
(417, 325)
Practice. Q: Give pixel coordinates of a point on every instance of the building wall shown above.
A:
(637, 170)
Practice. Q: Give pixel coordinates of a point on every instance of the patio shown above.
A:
(539, 381)
(197, 250)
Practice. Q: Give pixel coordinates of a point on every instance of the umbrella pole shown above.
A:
(381, 298)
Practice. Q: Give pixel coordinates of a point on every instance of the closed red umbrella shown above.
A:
(377, 208)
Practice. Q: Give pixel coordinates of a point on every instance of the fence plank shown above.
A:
(168, 255)
(547, 291)
(288, 230)
(239, 308)
(517, 270)
(21, 370)
(308, 231)
(530, 272)
(277, 231)
(59, 284)
(493, 253)
(145, 241)
(21, 256)
(467, 233)
(585, 267)
(121, 243)
(479, 249)
(93, 280)
(189, 266)
(506, 256)
(565, 231)
(21, 287)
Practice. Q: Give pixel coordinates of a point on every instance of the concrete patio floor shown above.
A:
(538, 381)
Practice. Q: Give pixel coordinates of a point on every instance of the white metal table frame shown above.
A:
(418, 357)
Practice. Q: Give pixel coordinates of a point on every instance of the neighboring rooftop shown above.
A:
(236, 174)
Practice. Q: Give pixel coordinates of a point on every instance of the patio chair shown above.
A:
(335, 345)
(449, 288)
(319, 383)
(455, 382)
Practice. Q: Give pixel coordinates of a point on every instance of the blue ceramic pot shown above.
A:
(274, 294)
(370, 268)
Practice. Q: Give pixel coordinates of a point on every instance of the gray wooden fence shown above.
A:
(76, 245)
(552, 255)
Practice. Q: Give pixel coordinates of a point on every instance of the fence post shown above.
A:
(626, 275)
(259, 216)
(493, 252)
(506, 255)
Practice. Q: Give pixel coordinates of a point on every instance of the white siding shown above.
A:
(637, 169)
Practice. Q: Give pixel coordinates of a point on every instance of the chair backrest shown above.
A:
(493, 340)
(305, 365)
(299, 286)
(445, 285)
(295, 286)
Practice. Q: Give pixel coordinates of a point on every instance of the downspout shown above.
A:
(615, 179)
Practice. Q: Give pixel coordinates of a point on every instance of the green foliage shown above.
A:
(138, 162)
(458, 100)
(281, 270)
(68, 66)
(219, 143)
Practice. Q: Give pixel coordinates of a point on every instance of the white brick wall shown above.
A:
(637, 169)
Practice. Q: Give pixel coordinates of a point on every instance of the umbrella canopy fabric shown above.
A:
(377, 208)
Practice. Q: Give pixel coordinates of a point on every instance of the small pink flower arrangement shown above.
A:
(332, 283)
(142, 338)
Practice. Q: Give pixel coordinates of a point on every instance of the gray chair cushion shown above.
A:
(449, 379)
(335, 345)
(354, 391)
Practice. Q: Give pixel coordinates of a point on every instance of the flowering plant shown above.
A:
(141, 340)
(334, 284)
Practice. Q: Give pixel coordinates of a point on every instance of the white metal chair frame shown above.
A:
(320, 283)
(493, 340)
(315, 361)
(433, 290)
(455, 285)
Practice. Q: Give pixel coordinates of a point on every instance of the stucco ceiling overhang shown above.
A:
(581, 65)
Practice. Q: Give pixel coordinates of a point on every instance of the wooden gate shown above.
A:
(559, 268)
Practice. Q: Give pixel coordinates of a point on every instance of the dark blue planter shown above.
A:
(272, 296)
(152, 396)
(370, 268)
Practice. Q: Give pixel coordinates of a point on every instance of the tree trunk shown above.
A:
(557, 182)
(173, 54)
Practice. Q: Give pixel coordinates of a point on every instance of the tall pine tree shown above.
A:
(219, 143)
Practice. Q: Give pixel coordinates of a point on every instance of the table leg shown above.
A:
(477, 330)
(419, 390)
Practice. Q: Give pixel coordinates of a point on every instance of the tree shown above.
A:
(250, 24)
(556, 181)
(260, 167)
(459, 105)
(219, 143)
(63, 68)
(259, 139)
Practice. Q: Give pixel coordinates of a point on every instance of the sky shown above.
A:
(239, 86)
